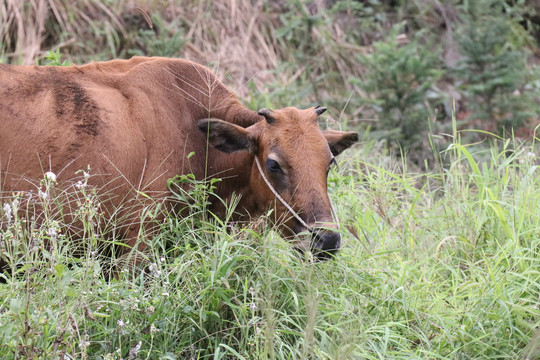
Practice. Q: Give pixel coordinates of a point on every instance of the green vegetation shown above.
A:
(400, 82)
(442, 263)
(494, 66)
(394, 69)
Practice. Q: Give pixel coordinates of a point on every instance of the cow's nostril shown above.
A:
(325, 243)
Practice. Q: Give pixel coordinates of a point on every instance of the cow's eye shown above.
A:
(273, 166)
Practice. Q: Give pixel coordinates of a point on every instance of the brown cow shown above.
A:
(135, 121)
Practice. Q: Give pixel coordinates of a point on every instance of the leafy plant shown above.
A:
(400, 83)
(54, 58)
(163, 39)
(493, 70)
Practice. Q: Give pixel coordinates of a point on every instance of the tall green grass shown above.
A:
(440, 265)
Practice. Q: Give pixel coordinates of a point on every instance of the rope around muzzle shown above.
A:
(287, 206)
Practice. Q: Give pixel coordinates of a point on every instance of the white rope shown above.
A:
(294, 213)
(334, 213)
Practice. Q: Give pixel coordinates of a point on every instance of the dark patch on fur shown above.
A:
(74, 147)
(51, 149)
(73, 104)
(25, 87)
(7, 110)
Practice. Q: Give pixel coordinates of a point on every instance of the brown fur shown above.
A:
(135, 121)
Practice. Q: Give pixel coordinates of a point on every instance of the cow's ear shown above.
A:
(340, 140)
(227, 137)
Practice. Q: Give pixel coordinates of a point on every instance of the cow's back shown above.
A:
(132, 121)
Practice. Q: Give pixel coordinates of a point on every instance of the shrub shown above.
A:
(163, 39)
(54, 58)
(399, 82)
(494, 65)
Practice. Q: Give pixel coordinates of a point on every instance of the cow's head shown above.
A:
(295, 157)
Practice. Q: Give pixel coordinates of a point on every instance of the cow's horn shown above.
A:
(319, 110)
(267, 113)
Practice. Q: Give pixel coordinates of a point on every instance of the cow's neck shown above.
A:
(235, 170)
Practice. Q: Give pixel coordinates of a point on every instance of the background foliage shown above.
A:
(395, 68)
(441, 263)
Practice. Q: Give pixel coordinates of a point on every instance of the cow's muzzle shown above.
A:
(325, 243)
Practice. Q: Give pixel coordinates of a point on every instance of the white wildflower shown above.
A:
(153, 268)
(43, 194)
(253, 307)
(120, 323)
(7, 210)
(153, 328)
(53, 232)
(79, 185)
(134, 350)
(166, 294)
(50, 175)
